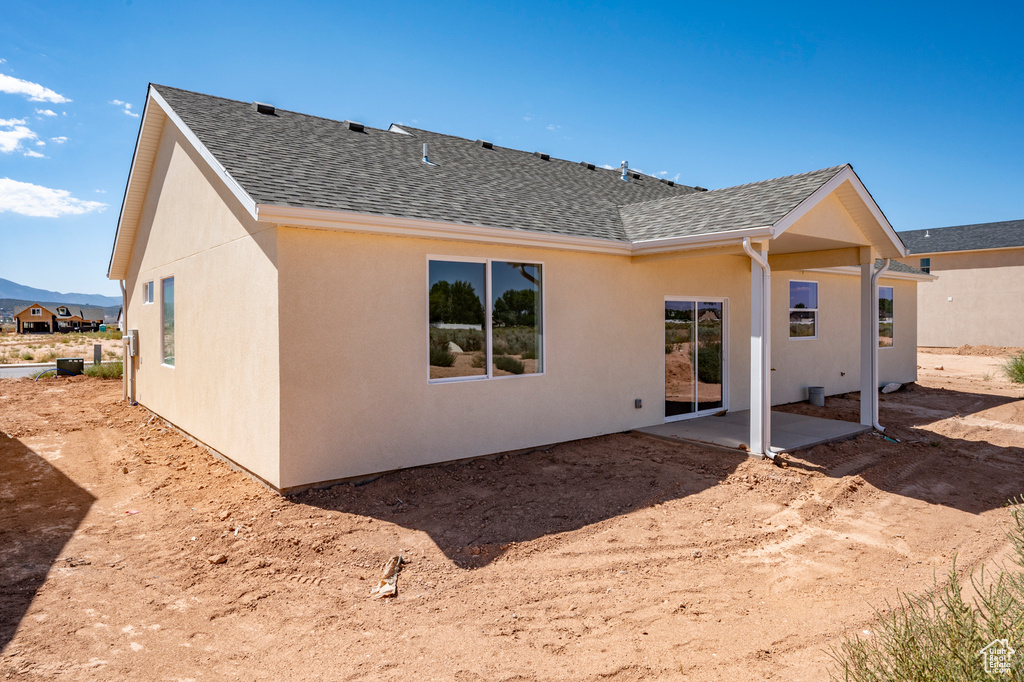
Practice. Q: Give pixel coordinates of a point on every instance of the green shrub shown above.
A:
(509, 364)
(113, 370)
(479, 360)
(48, 356)
(939, 635)
(1014, 368)
(27, 355)
(709, 363)
(520, 341)
(440, 357)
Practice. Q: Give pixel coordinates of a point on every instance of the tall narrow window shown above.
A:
(147, 292)
(803, 310)
(485, 319)
(167, 304)
(885, 317)
(926, 265)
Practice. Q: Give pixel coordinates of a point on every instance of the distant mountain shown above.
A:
(9, 289)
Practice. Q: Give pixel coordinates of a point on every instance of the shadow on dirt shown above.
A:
(969, 475)
(474, 509)
(32, 534)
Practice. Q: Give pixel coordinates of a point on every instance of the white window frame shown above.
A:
(879, 321)
(147, 292)
(488, 311)
(817, 317)
(174, 332)
(725, 355)
(36, 312)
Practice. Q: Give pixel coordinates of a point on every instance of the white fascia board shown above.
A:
(846, 173)
(325, 219)
(854, 271)
(243, 197)
(928, 254)
(700, 241)
(127, 186)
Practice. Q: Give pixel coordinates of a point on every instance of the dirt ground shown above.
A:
(614, 558)
(26, 348)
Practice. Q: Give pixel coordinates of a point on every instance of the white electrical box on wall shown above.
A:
(132, 338)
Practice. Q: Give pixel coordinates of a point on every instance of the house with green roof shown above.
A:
(321, 300)
(980, 277)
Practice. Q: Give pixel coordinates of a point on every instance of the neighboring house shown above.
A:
(48, 318)
(320, 300)
(977, 298)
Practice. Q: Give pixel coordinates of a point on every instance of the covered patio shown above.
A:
(731, 430)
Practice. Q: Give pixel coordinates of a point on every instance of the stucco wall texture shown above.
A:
(976, 300)
(302, 354)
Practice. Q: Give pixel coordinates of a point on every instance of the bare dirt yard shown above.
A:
(613, 558)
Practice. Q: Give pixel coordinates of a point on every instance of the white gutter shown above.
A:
(874, 336)
(766, 348)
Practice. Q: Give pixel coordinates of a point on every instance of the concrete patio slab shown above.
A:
(731, 430)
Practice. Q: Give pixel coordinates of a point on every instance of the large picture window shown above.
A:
(803, 310)
(885, 317)
(167, 315)
(485, 319)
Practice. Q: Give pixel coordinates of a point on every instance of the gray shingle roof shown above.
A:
(292, 159)
(1006, 234)
(757, 204)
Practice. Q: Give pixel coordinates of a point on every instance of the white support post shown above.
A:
(868, 344)
(760, 352)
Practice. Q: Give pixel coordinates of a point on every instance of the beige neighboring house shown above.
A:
(978, 296)
(319, 300)
(48, 318)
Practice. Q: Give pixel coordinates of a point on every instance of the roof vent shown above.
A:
(426, 155)
(261, 108)
(353, 126)
(670, 183)
(542, 156)
(485, 144)
(588, 166)
(625, 171)
(701, 189)
(636, 176)
(927, 234)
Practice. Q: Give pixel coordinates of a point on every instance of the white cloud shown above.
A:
(14, 135)
(37, 201)
(608, 166)
(40, 143)
(663, 173)
(127, 107)
(101, 191)
(33, 91)
(2, 60)
(59, 140)
(553, 127)
(33, 154)
(46, 112)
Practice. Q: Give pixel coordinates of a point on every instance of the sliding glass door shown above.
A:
(695, 357)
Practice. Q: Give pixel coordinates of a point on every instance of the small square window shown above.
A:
(35, 312)
(803, 310)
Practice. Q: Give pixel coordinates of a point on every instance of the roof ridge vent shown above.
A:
(485, 144)
(670, 183)
(263, 108)
(542, 156)
(588, 166)
(700, 189)
(353, 126)
(625, 171)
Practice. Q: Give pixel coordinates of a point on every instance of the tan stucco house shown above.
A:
(977, 296)
(318, 300)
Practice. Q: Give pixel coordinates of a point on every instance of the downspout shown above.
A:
(125, 358)
(874, 351)
(766, 346)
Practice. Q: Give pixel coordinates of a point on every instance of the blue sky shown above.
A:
(925, 100)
